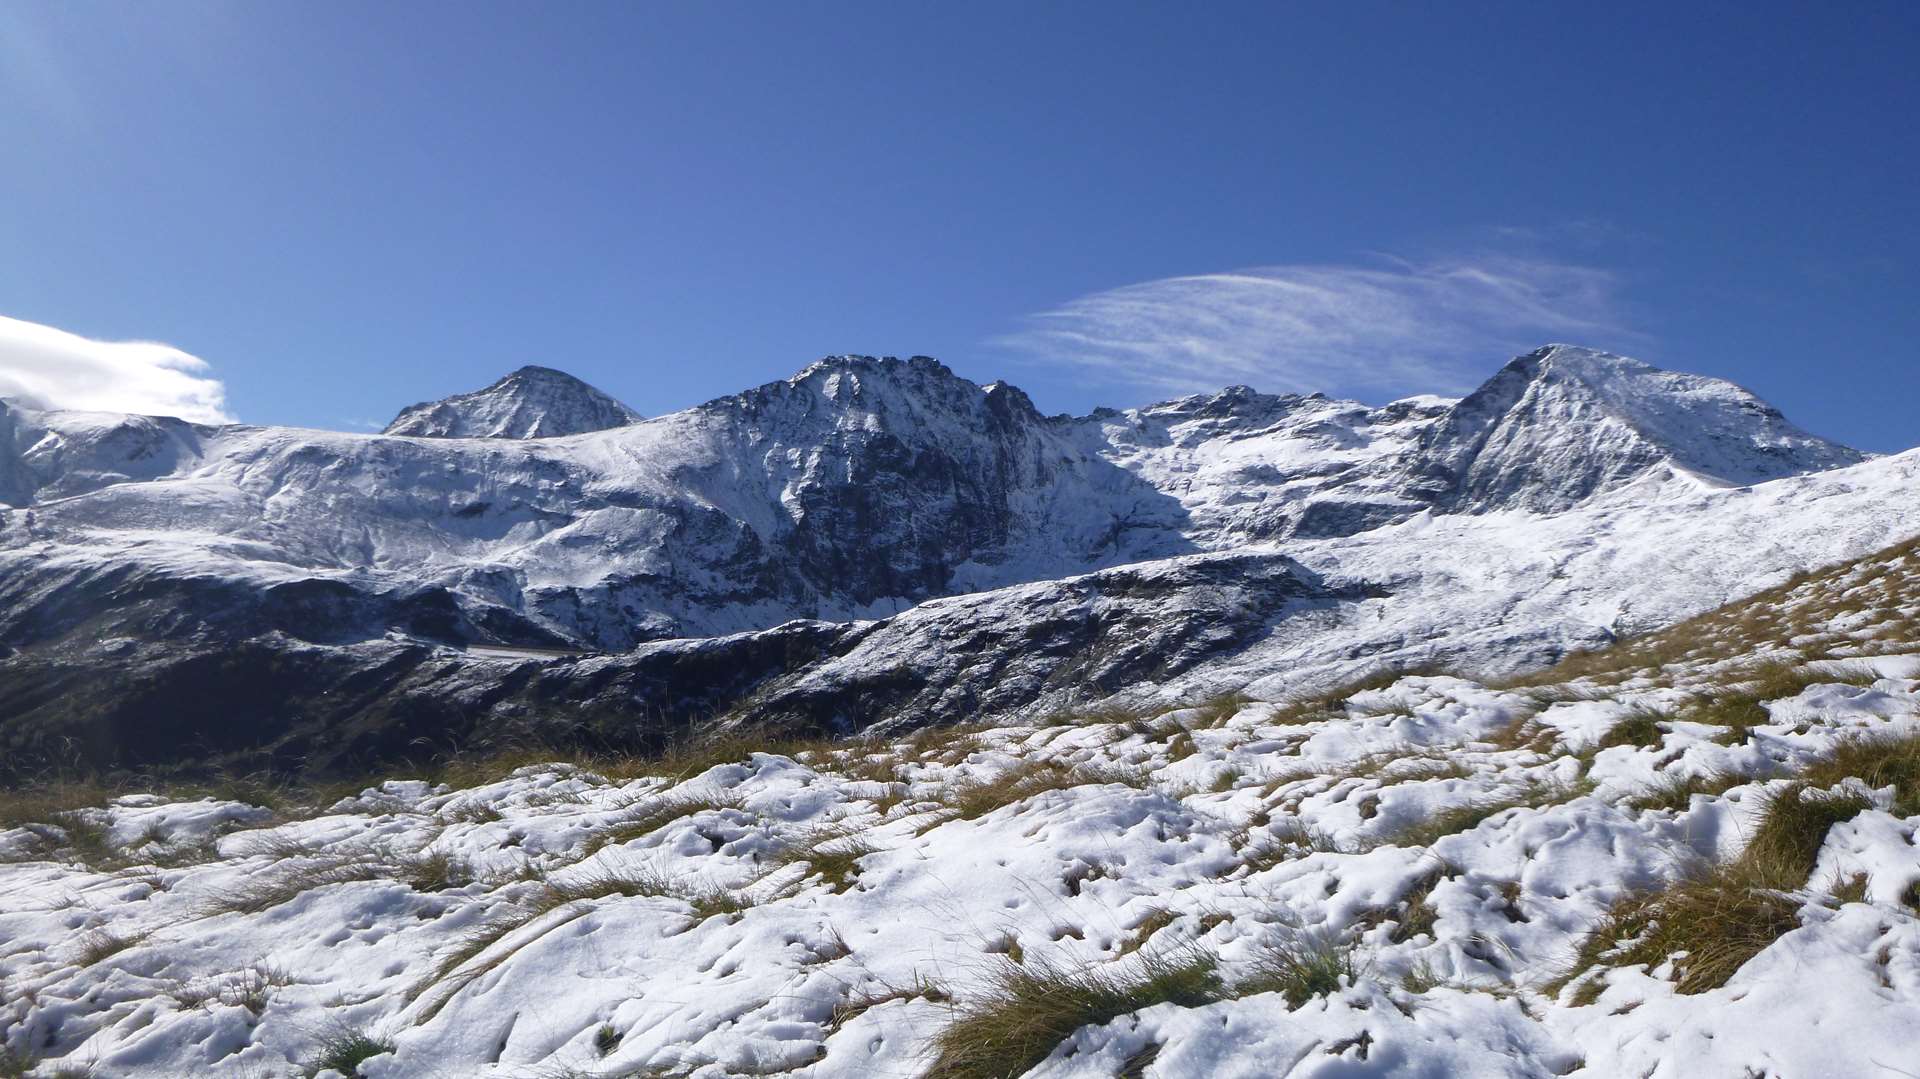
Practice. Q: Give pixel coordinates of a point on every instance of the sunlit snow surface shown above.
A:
(1065, 876)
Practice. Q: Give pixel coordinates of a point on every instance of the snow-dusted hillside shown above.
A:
(1691, 855)
(958, 553)
(533, 402)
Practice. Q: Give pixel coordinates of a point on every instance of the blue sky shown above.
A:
(344, 208)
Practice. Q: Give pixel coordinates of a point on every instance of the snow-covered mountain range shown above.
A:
(873, 541)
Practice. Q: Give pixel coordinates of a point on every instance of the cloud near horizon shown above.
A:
(43, 367)
(1399, 328)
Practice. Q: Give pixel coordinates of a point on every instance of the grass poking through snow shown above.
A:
(344, 1049)
(1026, 1009)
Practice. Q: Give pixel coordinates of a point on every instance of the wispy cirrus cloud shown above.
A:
(1398, 327)
(44, 367)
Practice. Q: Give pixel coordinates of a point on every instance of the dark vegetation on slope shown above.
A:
(262, 726)
(291, 708)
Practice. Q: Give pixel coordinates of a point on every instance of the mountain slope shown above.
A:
(1683, 855)
(533, 402)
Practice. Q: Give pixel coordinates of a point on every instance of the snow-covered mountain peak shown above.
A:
(849, 376)
(917, 400)
(532, 402)
(1563, 422)
(1670, 406)
(1596, 365)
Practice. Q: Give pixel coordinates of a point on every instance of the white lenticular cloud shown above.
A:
(42, 367)
(1398, 328)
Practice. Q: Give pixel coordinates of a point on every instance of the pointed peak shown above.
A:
(860, 364)
(528, 402)
(868, 380)
(535, 372)
(1563, 422)
(873, 392)
(1582, 362)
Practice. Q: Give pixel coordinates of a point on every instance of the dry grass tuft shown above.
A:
(1215, 711)
(1708, 925)
(1027, 1009)
(1639, 727)
(1675, 792)
(287, 882)
(1462, 818)
(1741, 708)
(831, 854)
(102, 944)
(435, 872)
(1715, 919)
(1283, 841)
(859, 1004)
(1300, 967)
(1793, 826)
(1851, 889)
(1332, 703)
(1105, 713)
(45, 803)
(1155, 919)
(344, 1049)
(1523, 734)
(248, 988)
(1418, 917)
(972, 799)
(649, 815)
(1878, 762)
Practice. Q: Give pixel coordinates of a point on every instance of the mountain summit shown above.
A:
(1562, 422)
(533, 402)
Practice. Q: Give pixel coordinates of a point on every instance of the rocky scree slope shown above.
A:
(894, 509)
(1691, 854)
(533, 402)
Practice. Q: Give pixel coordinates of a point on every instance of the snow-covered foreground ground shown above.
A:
(1400, 880)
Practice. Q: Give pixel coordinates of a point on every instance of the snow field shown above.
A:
(1397, 880)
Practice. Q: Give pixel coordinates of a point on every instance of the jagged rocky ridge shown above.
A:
(1576, 495)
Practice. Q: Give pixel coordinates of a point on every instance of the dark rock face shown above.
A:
(275, 703)
(16, 484)
(77, 605)
(533, 402)
(272, 701)
(911, 472)
(1060, 642)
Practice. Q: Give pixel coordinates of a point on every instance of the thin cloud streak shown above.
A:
(43, 367)
(1398, 328)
